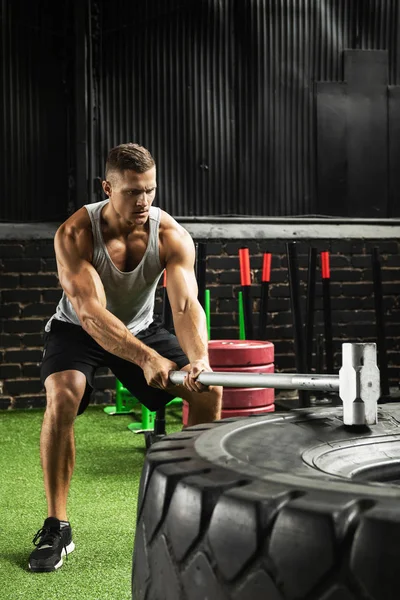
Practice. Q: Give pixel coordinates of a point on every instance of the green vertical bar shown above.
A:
(119, 403)
(208, 312)
(242, 331)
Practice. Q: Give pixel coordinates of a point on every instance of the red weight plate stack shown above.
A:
(242, 356)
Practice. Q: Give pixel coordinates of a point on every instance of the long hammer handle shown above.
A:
(358, 382)
(282, 381)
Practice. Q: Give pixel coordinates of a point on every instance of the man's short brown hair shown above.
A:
(129, 156)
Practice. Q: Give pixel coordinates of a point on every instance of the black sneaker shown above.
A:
(52, 543)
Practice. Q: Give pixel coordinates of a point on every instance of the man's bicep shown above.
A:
(79, 279)
(84, 289)
(181, 279)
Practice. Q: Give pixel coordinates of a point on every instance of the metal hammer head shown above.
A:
(359, 384)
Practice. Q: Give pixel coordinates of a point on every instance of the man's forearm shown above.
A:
(112, 335)
(191, 331)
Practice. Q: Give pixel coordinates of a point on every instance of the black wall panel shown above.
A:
(227, 94)
(245, 104)
(166, 82)
(274, 106)
(353, 138)
(394, 151)
(367, 132)
(222, 94)
(34, 110)
(331, 105)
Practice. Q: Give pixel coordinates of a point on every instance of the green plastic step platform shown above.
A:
(125, 403)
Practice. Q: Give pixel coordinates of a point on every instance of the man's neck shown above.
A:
(118, 227)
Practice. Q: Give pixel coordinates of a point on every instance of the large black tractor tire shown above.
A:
(290, 506)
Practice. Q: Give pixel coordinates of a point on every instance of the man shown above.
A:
(110, 256)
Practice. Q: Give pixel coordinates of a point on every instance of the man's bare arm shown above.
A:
(85, 290)
(188, 314)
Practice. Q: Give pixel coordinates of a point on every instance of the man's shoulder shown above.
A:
(171, 230)
(78, 222)
(76, 230)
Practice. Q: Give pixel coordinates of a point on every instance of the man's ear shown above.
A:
(107, 187)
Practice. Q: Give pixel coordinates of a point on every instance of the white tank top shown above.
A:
(130, 295)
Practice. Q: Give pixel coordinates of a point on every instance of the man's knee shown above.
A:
(62, 405)
(216, 390)
(204, 407)
(211, 396)
(64, 392)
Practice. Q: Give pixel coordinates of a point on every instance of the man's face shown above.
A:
(131, 194)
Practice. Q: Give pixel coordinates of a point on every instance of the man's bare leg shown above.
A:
(204, 407)
(57, 445)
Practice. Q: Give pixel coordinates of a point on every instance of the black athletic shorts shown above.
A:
(68, 346)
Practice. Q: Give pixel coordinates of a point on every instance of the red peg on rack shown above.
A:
(245, 280)
(325, 266)
(326, 299)
(265, 279)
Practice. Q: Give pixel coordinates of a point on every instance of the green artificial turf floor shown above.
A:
(102, 506)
